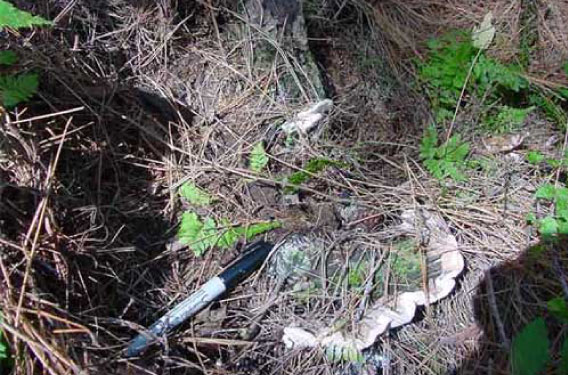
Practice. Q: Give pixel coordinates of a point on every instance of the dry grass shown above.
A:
(143, 96)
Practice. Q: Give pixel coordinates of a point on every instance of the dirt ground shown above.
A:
(138, 97)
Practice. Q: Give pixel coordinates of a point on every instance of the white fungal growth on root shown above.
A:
(397, 310)
(308, 119)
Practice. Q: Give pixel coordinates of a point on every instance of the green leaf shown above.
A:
(460, 152)
(562, 195)
(201, 236)
(553, 163)
(259, 228)
(531, 218)
(258, 158)
(429, 143)
(530, 349)
(8, 58)
(189, 228)
(535, 157)
(546, 191)
(194, 195)
(483, 35)
(507, 119)
(562, 225)
(559, 308)
(17, 89)
(10, 16)
(313, 166)
(228, 238)
(548, 226)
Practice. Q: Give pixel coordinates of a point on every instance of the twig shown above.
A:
(368, 286)
(254, 327)
(43, 117)
(42, 208)
(462, 94)
(495, 311)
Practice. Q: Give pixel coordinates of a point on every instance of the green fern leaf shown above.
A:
(17, 89)
(201, 236)
(258, 158)
(229, 235)
(535, 157)
(189, 228)
(8, 58)
(547, 191)
(194, 195)
(460, 152)
(548, 226)
(259, 228)
(10, 16)
(429, 143)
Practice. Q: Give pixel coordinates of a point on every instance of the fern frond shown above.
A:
(10, 16)
(429, 143)
(15, 89)
(258, 158)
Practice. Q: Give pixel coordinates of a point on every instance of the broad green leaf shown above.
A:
(562, 225)
(562, 195)
(8, 58)
(548, 226)
(559, 308)
(194, 195)
(530, 349)
(483, 34)
(546, 191)
(17, 89)
(258, 158)
(10, 16)
(535, 157)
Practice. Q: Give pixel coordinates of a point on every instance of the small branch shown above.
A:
(462, 94)
(495, 311)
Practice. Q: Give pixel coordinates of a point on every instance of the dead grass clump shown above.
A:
(532, 34)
